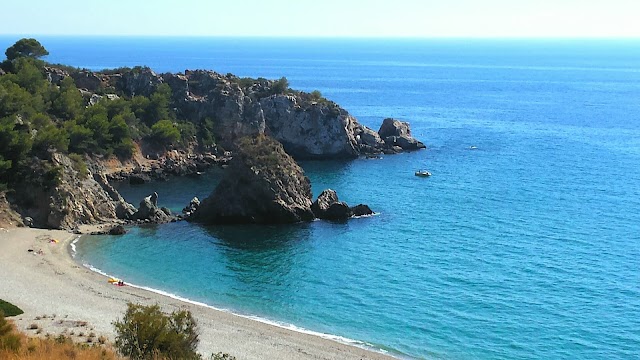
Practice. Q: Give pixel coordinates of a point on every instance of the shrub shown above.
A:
(165, 132)
(8, 339)
(145, 332)
(8, 309)
(79, 165)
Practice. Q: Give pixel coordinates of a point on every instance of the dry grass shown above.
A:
(52, 349)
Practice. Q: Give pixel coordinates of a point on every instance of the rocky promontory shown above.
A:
(308, 125)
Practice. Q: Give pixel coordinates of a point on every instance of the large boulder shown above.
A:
(262, 184)
(398, 133)
(328, 207)
(150, 212)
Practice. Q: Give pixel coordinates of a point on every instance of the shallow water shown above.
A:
(526, 247)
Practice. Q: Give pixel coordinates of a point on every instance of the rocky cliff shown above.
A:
(65, 196)
(308, 125)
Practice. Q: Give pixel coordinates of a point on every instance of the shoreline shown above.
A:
(54, 282)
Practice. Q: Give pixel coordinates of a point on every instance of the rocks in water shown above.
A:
(192, 207)
(361, 210)
(329, 207)
(138, 179)
(150, 212)
(398, 134)
(117, 230)
(263, 184)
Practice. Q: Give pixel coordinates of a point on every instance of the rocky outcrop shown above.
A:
(55, 75)
(117, 230)
(263, 184)
(310, 129)
(148, 211)
(397, 133)
(328, 207)
(361, 210)
(68, 197)
(172, 163)
(308, 126)
(194, 204)
(136, 81)
(87, 80)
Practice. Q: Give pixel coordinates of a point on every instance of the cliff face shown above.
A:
(309, 127)
(77, 198)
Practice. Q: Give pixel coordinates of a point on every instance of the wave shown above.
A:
(72, 246)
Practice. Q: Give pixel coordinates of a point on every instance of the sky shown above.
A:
(326, 18)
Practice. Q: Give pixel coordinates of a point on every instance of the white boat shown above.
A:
(423, 173)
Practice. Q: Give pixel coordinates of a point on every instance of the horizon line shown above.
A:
(322, 37)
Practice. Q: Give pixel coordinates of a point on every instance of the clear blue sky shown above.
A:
(327, 18)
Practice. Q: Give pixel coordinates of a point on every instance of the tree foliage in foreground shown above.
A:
(146, 332)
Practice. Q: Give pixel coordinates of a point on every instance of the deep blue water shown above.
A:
(527, 247)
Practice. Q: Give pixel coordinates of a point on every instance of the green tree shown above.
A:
(165, 132)
(26, 47)
(145, 332)
(280, 86)
(80, 138)
(159, 105)
(68, 104)
(50, 136)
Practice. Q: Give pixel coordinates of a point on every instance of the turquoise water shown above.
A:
(527, 247)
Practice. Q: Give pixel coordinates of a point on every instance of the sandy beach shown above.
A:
(61, 296)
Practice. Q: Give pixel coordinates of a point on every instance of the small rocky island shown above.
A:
(264, 185)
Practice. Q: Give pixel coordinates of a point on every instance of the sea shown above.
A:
(523, 244)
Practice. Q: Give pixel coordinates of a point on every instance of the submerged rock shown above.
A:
(263, 184)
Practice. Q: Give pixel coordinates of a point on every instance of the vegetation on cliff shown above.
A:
(38, 116)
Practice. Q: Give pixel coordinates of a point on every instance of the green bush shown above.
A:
(165, 132)
(8, 309)
(79, 165)
(146, 332)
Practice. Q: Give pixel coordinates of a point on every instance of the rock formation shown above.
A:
(194, 204)
(71, 198)
(361, 210)
(308, 126)
(328, 207)
(262, 185)
(397, 133)
(148, 211)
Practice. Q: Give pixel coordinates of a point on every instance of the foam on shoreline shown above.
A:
(337, 338)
